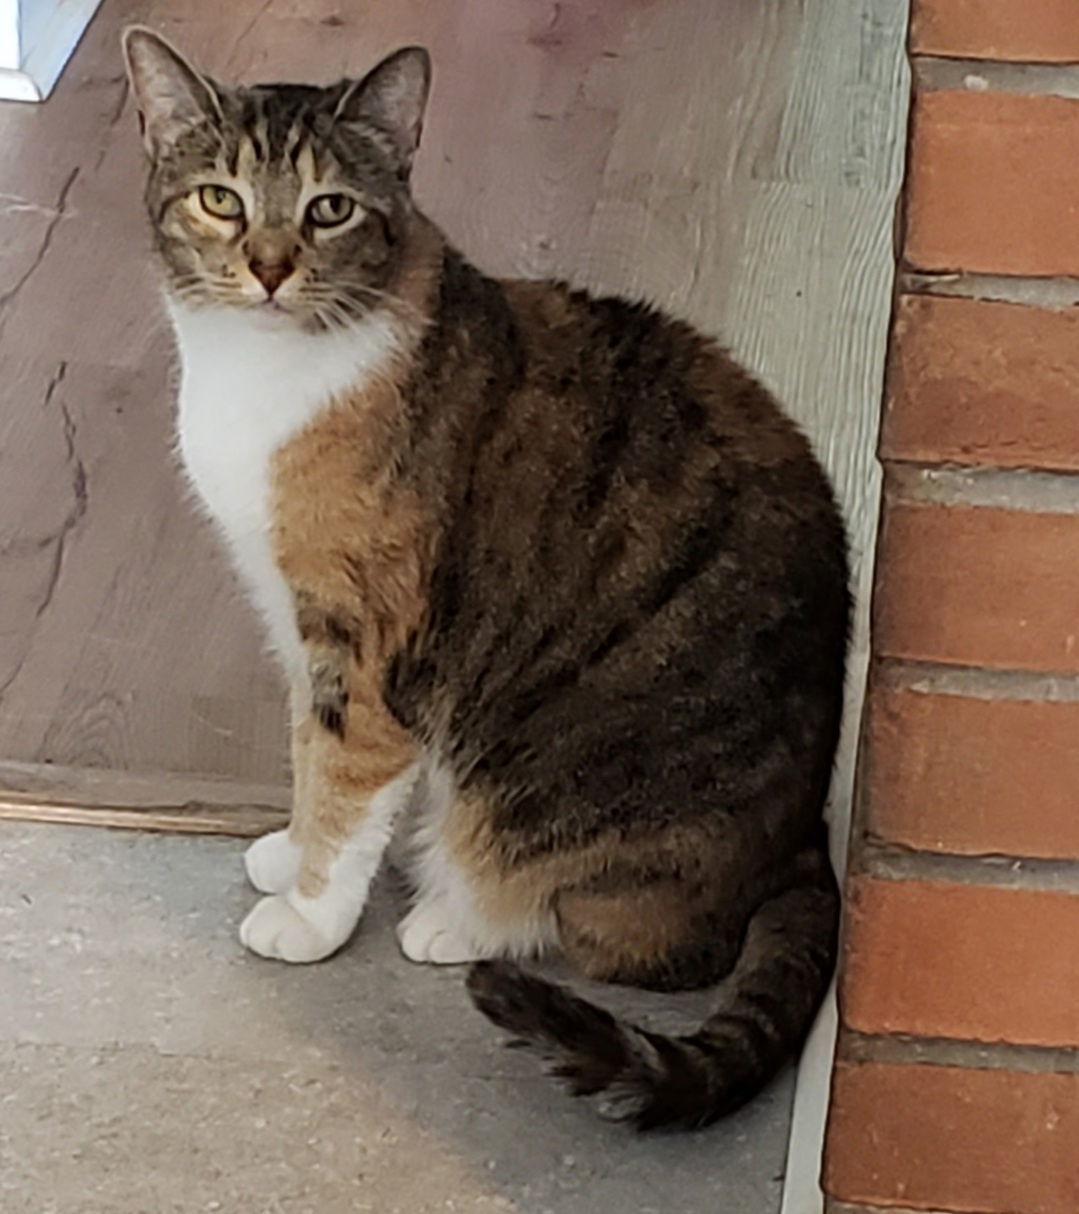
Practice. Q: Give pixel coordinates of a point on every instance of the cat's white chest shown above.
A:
(246, 390)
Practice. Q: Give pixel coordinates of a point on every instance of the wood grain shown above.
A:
(140, 801)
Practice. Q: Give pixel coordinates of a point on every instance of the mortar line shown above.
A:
(975, 682)
(1028, 490)
(833, 1206)
(907, 1048)
(1053, 293)
(891, 861)
(940, 73)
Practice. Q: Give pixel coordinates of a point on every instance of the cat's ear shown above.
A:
(171, 96)
(393, 97)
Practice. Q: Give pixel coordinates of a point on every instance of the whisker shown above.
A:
(394, 300)
(340, 291)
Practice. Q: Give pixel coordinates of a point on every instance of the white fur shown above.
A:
(249, 383)
(446, 926)
(293, 927)
(430, 934)
(272, 863)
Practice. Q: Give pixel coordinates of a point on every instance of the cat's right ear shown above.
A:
(171, 96)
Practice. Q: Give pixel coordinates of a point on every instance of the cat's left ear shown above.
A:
(172, 97)
(393, 97)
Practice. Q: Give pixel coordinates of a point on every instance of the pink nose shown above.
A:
(270, 273)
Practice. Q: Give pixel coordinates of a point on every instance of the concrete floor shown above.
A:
(149, 1066)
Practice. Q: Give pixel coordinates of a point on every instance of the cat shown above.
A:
(560, 593)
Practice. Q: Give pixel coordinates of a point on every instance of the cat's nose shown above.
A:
(270, 273)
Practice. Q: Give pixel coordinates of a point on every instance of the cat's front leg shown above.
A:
(319, 689)
(272, 862)
(354, 769)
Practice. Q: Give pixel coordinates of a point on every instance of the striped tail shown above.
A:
(767, 1006)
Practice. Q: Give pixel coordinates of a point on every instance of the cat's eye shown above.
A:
(330, 210)
(221, 202)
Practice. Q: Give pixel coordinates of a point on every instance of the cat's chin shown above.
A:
(274, 317)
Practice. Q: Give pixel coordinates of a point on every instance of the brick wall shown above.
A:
(957, 1078)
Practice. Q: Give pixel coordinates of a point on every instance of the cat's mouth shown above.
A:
(272, 314)
(272, 305)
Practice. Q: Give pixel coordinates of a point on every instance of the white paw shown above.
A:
(273, 863)
(276, 929)
(425, 934)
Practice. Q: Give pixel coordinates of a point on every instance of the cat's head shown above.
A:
(289, 201)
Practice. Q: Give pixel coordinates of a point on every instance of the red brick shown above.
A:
(974, 382)
(944, 1138)
(948, 773)
(978, 586)
(994, 184)
(981, 963)
(1036, 31)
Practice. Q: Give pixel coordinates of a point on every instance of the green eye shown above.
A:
(221, 202)
(330, 210)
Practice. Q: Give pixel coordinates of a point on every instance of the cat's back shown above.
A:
(649, 363)
(662, 407)
(639, 535)
(626, 493)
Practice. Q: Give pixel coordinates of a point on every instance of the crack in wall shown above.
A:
(250, 26)
(113, 119)
(46, 241)
(59, 538)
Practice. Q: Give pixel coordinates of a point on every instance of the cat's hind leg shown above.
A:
(431, 933)
(451, 921)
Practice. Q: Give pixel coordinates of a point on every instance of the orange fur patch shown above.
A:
(356, 547)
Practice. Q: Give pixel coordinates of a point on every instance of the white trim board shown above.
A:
(9, 33)
(841, 149)
(36, 41)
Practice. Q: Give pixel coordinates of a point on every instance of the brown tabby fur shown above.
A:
(570, 552)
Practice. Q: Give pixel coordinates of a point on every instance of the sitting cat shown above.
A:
(560, 593)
